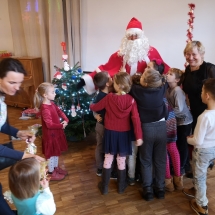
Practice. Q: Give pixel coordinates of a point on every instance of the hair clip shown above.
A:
(157, 61)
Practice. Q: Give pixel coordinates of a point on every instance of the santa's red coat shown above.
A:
(114, 65)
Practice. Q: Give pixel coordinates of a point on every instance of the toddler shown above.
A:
(24, 183)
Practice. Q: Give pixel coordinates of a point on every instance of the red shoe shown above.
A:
(55, 176)
(61, 171)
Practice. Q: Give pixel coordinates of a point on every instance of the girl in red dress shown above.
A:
(53, 137)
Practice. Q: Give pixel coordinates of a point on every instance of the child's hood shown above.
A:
(121, 105)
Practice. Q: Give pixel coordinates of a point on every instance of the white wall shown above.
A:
(6, 42)
(103, 24)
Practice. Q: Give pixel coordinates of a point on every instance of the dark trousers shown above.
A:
(182, 132)
(4, 207)
(152, 154)
(99, 154)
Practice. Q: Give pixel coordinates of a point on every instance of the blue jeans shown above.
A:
(200, 161)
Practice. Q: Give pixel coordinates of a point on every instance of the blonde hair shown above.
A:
(24, 178)
(193, 44)
(178, 75)
(123, 80)
(152, 78)
(39, 94)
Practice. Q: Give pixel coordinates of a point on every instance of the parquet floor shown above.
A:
(78, 193)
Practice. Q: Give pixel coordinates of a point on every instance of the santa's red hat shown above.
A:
(134, 27)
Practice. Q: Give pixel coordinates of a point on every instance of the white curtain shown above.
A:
(72, 29)
(38, 28)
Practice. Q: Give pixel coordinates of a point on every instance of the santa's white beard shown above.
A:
(134, 50)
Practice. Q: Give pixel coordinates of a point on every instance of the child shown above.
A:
(24, 184)
(203, 141)
(102, 81)
(171, 125)
(53, 137)
(120, 108)
(177, 99)
(149, 97)
(132, 160)
(175, 182)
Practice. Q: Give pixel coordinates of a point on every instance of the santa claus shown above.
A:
(133, 56)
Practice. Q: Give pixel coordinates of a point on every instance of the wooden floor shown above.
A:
(78, 192)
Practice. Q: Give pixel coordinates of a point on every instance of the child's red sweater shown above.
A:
(120, 110)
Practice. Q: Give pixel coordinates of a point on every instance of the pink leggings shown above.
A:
(109, 159)
(175, 158)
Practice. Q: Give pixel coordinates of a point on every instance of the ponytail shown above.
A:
(37, 100)
(39, 94)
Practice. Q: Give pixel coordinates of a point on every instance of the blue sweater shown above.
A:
(5, 151)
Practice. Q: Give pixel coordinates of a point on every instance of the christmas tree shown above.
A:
(75, 104)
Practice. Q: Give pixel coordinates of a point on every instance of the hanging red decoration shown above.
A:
(190, 22)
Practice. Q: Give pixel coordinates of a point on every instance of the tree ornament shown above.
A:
(63, 44)
(73, 112)
(66, 66)
(78, 107)
(58, 75)
(65, 57)
(64, 86)
(73, 77)
(80, 70)
(57, 90)
(65, 63)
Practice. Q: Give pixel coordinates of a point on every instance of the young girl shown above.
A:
(24, 183)
(175, 182)
(120, 109)
(171, 126)
(177, 99)
(149, 97)
(53, 137)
